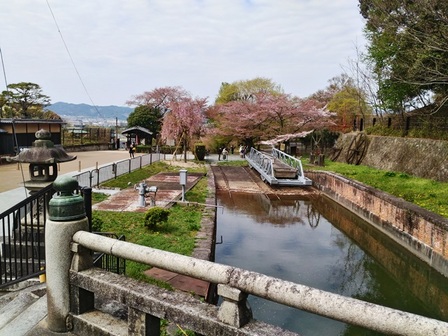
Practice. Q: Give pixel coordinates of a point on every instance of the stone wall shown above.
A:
(419, 157)
(90, 147)
(422, 232)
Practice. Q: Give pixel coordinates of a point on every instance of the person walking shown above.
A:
(224, 154)
(131, 150)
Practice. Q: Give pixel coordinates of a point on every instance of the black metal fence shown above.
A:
(107, 262)
(417, 126)
(22, 227)
(22, 254)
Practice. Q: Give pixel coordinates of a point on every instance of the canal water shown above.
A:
(316, 242)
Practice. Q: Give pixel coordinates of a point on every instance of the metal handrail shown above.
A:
(264, 164)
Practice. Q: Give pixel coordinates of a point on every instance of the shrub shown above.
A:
(97, 223)
(143, 149)
(154, 216)
(199, 150)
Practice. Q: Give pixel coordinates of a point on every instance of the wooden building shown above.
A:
(16, 134)
(139, 135)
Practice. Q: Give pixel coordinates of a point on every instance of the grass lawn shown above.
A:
(139, 175)
(176, 235)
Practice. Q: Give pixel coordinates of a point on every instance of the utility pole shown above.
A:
(117, 140)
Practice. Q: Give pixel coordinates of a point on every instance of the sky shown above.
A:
(104, 52)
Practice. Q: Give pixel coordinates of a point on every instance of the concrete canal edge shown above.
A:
(423, 233)
(206, 236)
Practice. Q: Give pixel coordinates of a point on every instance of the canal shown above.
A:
(316, 242)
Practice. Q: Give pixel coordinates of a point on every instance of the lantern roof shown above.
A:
(43, 151)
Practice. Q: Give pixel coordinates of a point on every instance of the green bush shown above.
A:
(167, 149)
(383, 130)
(143, 149)
(97, 223)
(200, 151)
(155, 216)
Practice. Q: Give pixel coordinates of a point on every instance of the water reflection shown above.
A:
(316, 243)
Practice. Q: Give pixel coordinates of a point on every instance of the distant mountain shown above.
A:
(89, 112)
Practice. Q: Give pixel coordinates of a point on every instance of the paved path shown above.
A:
(12, 175)
(168, 190)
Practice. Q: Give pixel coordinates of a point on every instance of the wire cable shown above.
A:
(3, 66)
(16, 153)
(73, 62)
(13, 127)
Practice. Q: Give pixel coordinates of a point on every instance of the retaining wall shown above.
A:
(420, 231)
(425, 158)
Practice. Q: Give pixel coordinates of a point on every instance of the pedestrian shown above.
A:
(224, 154)
(219, 153)
(232, 149)
(131, 150)
(241, 151)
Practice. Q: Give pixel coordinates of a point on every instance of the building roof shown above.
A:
(31, 121)
(137, 130)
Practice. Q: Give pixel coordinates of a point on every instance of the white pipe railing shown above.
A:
(334, 306)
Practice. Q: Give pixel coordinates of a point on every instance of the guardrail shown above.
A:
(95, 177)
(234, 284)
(264, 164)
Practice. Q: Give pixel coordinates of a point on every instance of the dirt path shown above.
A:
(245, 179)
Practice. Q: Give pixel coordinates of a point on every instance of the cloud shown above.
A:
(122, 48)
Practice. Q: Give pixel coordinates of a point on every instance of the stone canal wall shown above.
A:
(422, 232)
(206, 237)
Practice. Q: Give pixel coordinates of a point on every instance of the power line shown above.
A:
(13, 125)
(4, 71)
(73, 62)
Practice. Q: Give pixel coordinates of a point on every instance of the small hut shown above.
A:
(139, 135)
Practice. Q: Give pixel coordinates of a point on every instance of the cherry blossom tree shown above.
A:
(267, 116)
(169, 107)
(159, 98)
(184, 121)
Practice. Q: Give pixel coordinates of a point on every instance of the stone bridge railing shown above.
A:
(147, 304)
(77, 292)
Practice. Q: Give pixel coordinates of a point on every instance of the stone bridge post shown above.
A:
(66, 216)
